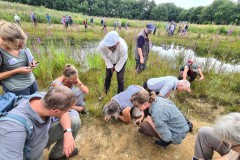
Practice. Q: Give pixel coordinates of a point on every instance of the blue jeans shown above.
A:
(27, 91)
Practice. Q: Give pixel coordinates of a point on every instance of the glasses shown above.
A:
(65, 110)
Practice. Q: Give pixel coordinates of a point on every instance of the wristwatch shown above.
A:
(67, 130)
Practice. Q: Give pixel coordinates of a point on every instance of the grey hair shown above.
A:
(59, 97)
(111, 108)
(227, 127)
(184, 83)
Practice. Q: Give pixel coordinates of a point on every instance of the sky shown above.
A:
(186, 4)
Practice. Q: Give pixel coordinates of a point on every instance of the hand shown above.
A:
(142, 60)
(68, 143)
(201, 78)
(24, 70)
(33, 64)
(113, 69)
(106, 118)
(138, 122)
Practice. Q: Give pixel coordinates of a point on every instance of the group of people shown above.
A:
(55, 115)
(171, 27)
(66, 21)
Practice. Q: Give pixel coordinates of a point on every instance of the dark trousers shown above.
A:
(120, 79)
(191, 77)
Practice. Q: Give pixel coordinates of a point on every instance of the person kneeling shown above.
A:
(165, 122)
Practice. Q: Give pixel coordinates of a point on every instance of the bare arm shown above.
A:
(126, 117)
(141, 55)
(68, 144)
(225, 157)
(82, 87)
(184, 74)
(201, 74)
(22, 70)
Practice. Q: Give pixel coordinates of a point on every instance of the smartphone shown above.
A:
(35, 65)
(194, 158)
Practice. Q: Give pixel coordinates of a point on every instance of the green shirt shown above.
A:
(18, 81)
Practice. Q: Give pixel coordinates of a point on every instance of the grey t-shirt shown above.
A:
(163, 84)
(123, 98)
(18, 81)
(13, 134)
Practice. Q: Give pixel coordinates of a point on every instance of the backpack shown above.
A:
(7, 102)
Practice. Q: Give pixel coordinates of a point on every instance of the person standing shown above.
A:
(143, 47)
(48, 17)
(16, 63)
(17, 19)
(115, 54)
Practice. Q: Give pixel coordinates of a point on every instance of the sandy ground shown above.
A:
(117, 140)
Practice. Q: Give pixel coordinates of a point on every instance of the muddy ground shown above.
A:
(116, 140)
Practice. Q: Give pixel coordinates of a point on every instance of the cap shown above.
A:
(194, 67)
(150, 26)
(111, 39)
(111, 109)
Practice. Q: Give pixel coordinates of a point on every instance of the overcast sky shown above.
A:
(186, 4)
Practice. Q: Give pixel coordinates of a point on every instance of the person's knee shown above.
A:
(75, 123)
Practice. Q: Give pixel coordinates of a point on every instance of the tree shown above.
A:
(159, 13)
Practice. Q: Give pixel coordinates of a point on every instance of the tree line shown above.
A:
(219, 12)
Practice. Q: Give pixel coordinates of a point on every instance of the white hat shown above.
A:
(111, 39)
(15, 14)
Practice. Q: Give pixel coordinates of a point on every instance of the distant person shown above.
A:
(121, 108)
(105, 25)
(34, 18)
(70, 21)
(142, 48)
(115, 54)
(167, 26)
(223, 137)
(85, 23)
(114, 24)
(165, 122)
(38, 112)
(119, 26)
(71, 80)
(63, 20)
(154, 31)
(48, 17)
(126, 25)
(17, 19)
(16, 63)
(92, 21)
(191, 70)
(164, 85)
(66, 21)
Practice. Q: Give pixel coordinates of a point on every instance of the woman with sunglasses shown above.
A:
(15, 62)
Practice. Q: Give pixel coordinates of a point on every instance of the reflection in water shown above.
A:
(172, 53)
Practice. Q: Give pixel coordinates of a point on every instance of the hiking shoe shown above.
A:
(74, 153)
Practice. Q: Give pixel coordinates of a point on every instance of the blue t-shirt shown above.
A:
(124, 97)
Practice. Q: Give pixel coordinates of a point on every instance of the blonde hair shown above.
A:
(141, 97)
(69, 70)
(11, 32)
